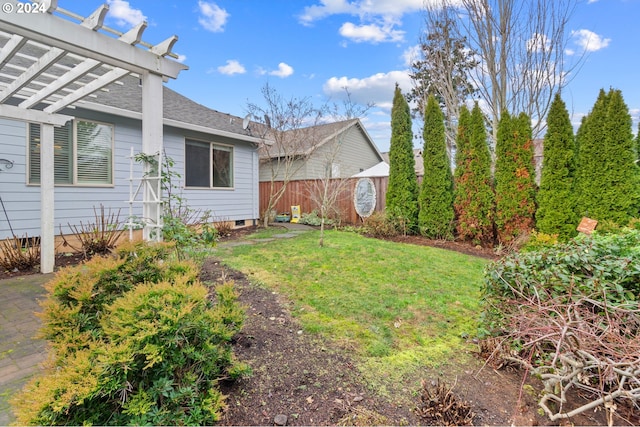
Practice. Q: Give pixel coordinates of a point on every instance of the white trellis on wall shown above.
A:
(149, 184)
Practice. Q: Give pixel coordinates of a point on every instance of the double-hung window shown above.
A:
(83, 153)
(208, 165)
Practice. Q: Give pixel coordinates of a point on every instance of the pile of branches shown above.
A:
(439, 406)
(578, 345)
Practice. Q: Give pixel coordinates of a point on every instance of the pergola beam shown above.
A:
(57, 32)
(131, 37)
(96, 19)
(88, 89)
(10, 48)
(17, 113)
(32, 72)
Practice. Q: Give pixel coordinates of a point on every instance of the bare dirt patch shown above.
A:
(302, 380)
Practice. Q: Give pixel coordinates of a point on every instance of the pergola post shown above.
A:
(47, 235)
(152, 144)
(31, 45)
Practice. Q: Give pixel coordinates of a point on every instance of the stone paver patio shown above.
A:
(20, 352)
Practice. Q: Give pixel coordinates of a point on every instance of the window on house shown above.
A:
(82, 153)
(208, 165)
(333, 170)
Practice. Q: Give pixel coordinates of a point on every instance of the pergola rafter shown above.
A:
(48, 63)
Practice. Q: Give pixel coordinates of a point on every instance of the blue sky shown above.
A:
(315, 48)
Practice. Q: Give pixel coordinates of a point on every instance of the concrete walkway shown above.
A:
(20, 353)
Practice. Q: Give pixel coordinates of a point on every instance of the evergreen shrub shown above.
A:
(379, 224)
(134, 352)
(604, 267)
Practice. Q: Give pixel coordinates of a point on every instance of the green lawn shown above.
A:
(397, 308)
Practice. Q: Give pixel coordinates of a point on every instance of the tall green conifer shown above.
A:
(607, 174)
(435, 219)
(556, 198)
(474, 199)
(514, 177)
(402, 193)
(589, 140)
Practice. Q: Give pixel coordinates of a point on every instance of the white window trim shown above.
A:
(75, 182)
(211, 145)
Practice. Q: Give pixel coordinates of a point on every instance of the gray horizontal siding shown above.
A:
(74, 204)
(354, 155)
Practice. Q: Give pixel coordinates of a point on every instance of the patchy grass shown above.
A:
(398, 308)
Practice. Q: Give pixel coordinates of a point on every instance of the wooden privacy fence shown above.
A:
(305, 193)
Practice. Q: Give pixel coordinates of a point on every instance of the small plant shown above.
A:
(181, 224)
(19, 254)
(538, 240)
(96, 238)
(223, 228)
(312, 218)
(380, 225)
(439, 406)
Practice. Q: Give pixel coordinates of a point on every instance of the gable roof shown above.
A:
(125, 99)
(380, 169)
(417, 158)
(303, 141)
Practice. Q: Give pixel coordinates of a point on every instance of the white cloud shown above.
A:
(538, 42)
(362, 8)
(232, 67)
(377, 88)
(590, 41)
(284, 70)
(213, 17)
(123, 14)
(377, 17)
(370, 33)
(411, 55)
(181, 58)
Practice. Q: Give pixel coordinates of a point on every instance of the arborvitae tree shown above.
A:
(514, 178)
(622, 190)
(608, 186)
(589, 140)
(556, 197)
(435, 219)
(402, 193)
(638, 144)
(474, 199)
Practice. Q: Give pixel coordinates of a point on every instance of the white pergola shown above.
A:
(48, 63)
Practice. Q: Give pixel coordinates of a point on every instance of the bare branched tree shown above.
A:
(288, 138)
(327, 191)
(520, 47)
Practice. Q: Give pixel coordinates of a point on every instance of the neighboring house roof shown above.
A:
(125, 98)
(381, 169)
(417, 157)
(303, 141)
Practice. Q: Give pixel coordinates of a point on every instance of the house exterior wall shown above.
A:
(75, 204)
(354, 155)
